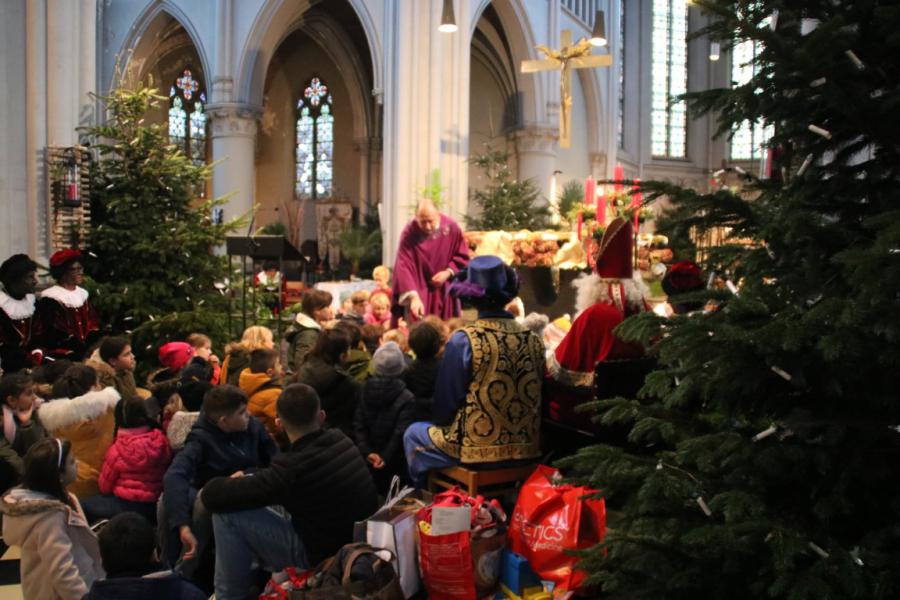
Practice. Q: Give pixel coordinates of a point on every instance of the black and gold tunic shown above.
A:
(501, 418)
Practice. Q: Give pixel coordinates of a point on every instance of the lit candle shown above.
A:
(618, 175)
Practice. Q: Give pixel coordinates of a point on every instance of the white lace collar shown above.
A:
(71, 298)
(17, 309)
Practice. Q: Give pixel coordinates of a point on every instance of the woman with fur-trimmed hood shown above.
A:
(83, 414)
(605, 299)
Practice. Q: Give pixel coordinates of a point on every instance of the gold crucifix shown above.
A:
(577, 56)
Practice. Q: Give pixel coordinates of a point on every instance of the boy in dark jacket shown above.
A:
(128, 549)
(224, 440)
(425, 340)
(359, 361)
(385, 412)
(322, 482)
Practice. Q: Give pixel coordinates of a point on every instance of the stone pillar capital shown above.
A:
(232, 119)
(598, 163)
(538, 140)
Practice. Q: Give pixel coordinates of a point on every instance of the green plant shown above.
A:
(506, 203)
(571, 197)
(359, 242)
(434, 190)
(762, 452)
(274, 228)
(152, 238)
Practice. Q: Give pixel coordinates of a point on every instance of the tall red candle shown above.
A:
(637, 202)
(601, 209)
(618, 175)
(590, 188)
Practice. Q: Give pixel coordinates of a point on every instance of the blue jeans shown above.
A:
(265, 535)
(170, 542)
(421, 453)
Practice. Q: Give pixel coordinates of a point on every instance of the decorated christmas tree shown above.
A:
(506, 203)
(153, 269)
(762, 455)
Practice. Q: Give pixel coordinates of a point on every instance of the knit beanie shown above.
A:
(388, 360)
(175, 355)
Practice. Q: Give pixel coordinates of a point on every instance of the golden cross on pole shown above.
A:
(577, 56)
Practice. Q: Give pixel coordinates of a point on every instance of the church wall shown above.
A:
(292, 66)
(486, 108)
(15, 233)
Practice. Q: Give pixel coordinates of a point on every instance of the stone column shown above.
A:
(599, 168)
(60, 49)
(233, 129)
(71, 68)
(363, 146)
(536, 154)
(426, 111)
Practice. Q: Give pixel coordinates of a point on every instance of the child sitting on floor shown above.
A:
(372, 337)
(384, 413)
(224, 440)
(115, 363)
(60, 556)
(425, 341)
(82, 412)
(133, 571)
(379, 311)
(261, 381)
(21, 427)
(131, 478)
(202, 346)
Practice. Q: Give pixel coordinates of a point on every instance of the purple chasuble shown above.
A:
(421, 256)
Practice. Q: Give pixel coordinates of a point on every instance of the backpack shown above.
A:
(356, 572)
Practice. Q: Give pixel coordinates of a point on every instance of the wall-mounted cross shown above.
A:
(577, 56)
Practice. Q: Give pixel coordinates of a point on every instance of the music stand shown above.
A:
(258, 247)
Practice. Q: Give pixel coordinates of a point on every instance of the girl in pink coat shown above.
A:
(133, 470)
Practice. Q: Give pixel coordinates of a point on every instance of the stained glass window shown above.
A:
(749, 138)
(315, 142)
(187, 120)
(668, 137)
(620, 52)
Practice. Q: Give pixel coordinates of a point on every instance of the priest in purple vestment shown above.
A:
(432, 250)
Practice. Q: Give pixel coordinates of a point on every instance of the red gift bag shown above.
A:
(550, 519)
(464, 565)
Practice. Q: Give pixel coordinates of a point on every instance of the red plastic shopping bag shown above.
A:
(465, 564)
(550, 519)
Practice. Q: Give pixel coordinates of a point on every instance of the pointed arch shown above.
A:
(275, 21)
(520, 35)
(138, 45)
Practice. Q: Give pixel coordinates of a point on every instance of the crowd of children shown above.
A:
(320, 436)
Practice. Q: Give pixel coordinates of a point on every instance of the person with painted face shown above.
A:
(18, 274)
(68, 323)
